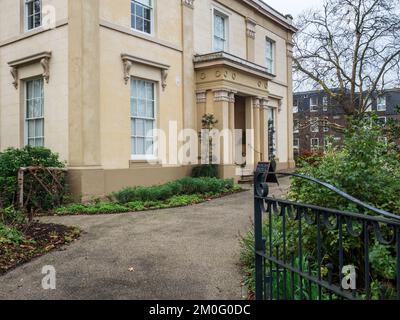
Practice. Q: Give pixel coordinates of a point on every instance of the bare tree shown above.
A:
(349, 49)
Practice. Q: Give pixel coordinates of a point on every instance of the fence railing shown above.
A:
(307, 252)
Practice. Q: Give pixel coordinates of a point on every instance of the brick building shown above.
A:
(314, 107)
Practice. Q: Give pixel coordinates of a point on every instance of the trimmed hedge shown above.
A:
(185, 186)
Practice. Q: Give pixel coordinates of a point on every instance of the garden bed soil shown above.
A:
(39, 239)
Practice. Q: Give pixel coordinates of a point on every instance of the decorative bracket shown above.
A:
(43, 58)
(188, 3)
(127, 70)
(129, 60)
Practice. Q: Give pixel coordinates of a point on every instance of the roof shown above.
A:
(284, 20)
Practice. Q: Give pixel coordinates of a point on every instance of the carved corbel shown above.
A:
(14, 73)
(164, 76)
(127, 70)
(45, 62)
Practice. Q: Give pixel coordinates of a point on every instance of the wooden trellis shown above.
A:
(53, 187)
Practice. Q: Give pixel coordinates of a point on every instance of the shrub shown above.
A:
(10, 235)
(185, 186)
(366, 168)
(205, 171)
(11, 161)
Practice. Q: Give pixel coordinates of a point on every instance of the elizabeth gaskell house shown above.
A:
(118, 88)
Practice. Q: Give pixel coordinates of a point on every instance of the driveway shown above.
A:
(183, 253)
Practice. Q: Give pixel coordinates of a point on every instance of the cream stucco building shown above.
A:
(88, 78)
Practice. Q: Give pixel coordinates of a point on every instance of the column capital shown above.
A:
(264, 104)
(256, 103)
(221, 95)
(201, 97)
(188, 3)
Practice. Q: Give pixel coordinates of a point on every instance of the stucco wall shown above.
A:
(55, 92)
(115, 94)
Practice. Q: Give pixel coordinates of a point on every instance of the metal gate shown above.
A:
(307, 252)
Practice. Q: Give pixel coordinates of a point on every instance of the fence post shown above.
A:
(21, 188)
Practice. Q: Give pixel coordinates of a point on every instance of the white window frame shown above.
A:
(144, 157)
(314, 106)
(225, 16)
(152, 8)
(33, 119)
(379, 105)
(325, 103)
(26, 17)
(312, 147)
(383, 118)
(270, 60)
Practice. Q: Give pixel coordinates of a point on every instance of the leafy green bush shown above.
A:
(205, 171)
(11, 161)
(366, 168)
(10, 235)
(185, 186)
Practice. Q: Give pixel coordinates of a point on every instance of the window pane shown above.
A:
(219, 26)
(219, 44)
(149, 128)
(29, 9)
(39, 142)
(31, 129)
(149, 91)
(140, 146)
(37, 112)
(139, 128)
(147, 26)
(147, 13)
(134, 108)
(29, 109)
(141, 108)
(150, 109)
(149, 147)
(39, 128)
(37, 89)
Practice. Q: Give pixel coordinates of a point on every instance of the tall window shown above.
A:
(314, 144)
(143, 118)
(314, 104)
(34, 113)
(142, 15)
(270, 56)
(220, 31)
(33, 14)
(381, 104)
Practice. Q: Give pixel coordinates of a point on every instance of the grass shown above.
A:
(180, 193)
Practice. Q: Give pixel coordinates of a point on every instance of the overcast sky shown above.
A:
(294, 7)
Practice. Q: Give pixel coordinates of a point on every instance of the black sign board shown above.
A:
(268, 171)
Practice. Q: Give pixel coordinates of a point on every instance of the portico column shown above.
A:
(264, 129)
(232, 125)
(222, 103)
(257, 131)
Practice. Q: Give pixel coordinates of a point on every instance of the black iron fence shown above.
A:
(306, 252)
